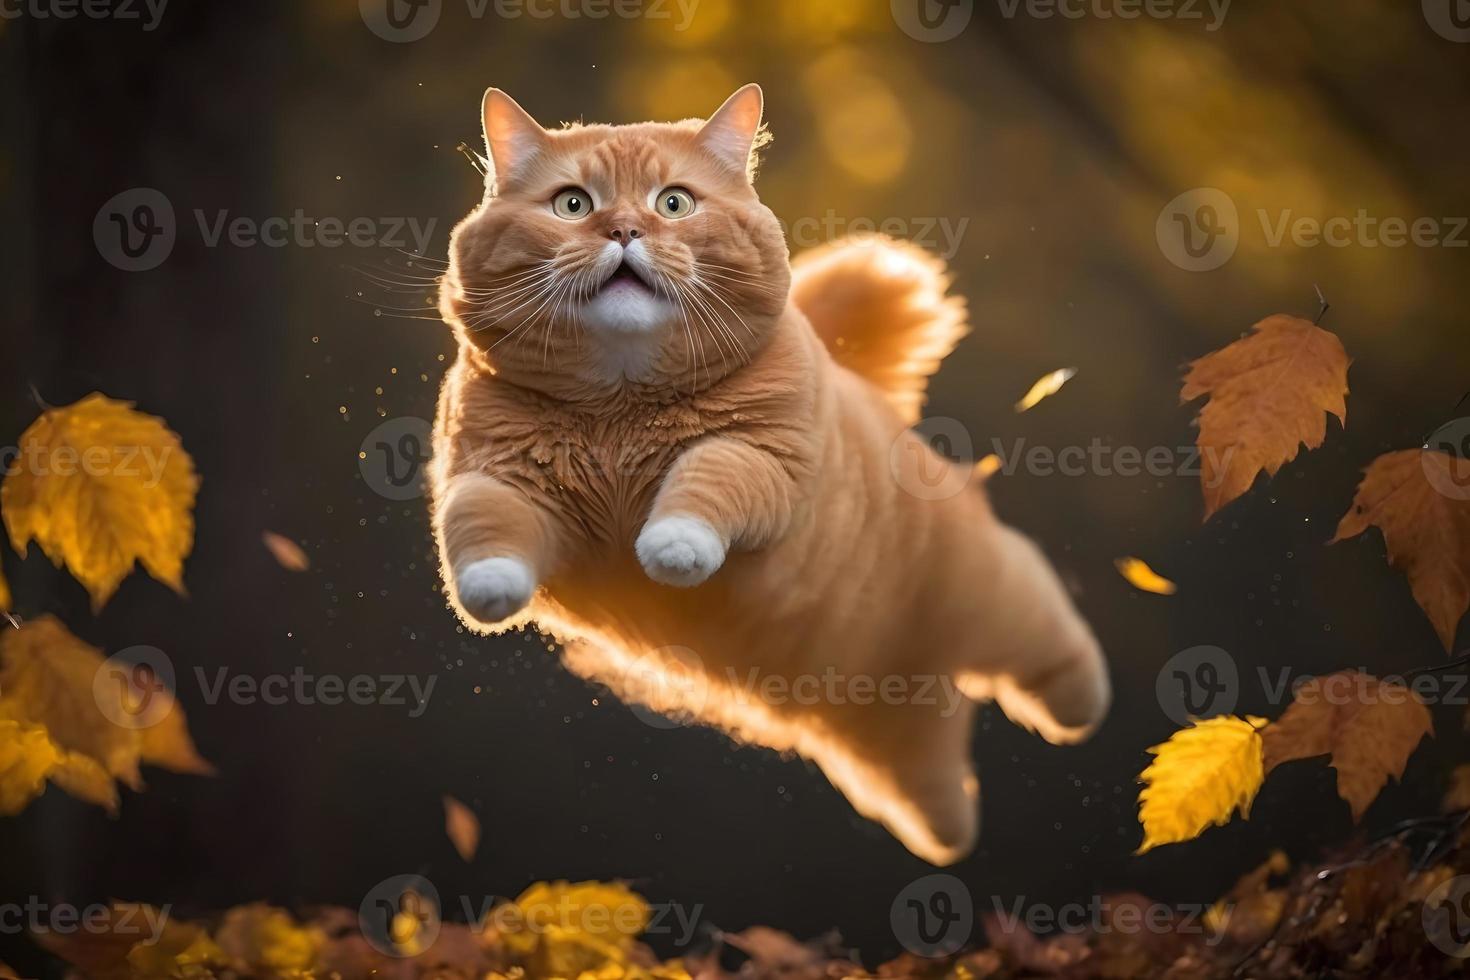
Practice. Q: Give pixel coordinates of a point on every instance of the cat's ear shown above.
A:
(511, 135)
(729, 133)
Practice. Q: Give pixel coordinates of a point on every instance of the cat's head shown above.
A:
(606, 255)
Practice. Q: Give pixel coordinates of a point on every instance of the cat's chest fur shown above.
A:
(601, 470)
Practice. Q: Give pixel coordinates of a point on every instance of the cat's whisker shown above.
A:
(708, 289)
(524, 295)
(720, 321)
(418, 257)
(711, 322)
(542, 289)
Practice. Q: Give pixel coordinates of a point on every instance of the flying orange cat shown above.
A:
(686, 459)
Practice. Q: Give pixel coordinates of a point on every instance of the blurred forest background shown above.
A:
(1053, 143)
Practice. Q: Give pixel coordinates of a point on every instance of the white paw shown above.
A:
(493, 588)
(679, 550)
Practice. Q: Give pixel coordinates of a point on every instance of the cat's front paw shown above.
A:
(494, 588)
(680, 551)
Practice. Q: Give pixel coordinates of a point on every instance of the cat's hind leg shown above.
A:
(908, 767)
(1035, 655)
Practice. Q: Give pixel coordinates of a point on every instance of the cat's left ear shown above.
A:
(511, 135)
(729, 133)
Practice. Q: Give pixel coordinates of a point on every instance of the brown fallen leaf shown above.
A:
(5, 600)
(1426, 530)
(100, 952)
(1249, 912)
(1457, 795)
(462, 826)
(100, 487)
(1369, 726)
(1269, 394)
(287, 553)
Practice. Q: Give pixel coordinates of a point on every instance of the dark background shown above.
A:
(1059, 140)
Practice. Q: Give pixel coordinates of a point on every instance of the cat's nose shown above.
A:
(624, 236)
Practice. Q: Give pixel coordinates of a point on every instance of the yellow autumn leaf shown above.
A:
(1199, 778)
(259, 937)
(29, 757)
(47, 677)
(50, 677)
(5, 600)
(988, 467)
(1045, 387)
(100, 487)
(415, 925)
(183, 952)
(1141, 577)
(83, 777)
(564, 929)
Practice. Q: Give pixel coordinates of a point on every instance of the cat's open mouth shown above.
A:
(625, 277)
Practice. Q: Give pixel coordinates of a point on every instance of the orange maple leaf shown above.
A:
(1369, 726)
(1420, 500)
(1270, 393)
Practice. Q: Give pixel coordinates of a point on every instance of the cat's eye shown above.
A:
(675, 202)
(573, 204)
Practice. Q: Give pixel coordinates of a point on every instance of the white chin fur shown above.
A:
(627, 309)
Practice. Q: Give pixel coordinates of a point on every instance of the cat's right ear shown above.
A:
(511, 135)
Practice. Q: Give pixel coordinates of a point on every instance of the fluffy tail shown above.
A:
(880, 306)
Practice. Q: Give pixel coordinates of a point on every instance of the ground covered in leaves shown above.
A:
(1395, 906)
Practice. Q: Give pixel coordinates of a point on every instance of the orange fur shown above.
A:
(584, 454)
